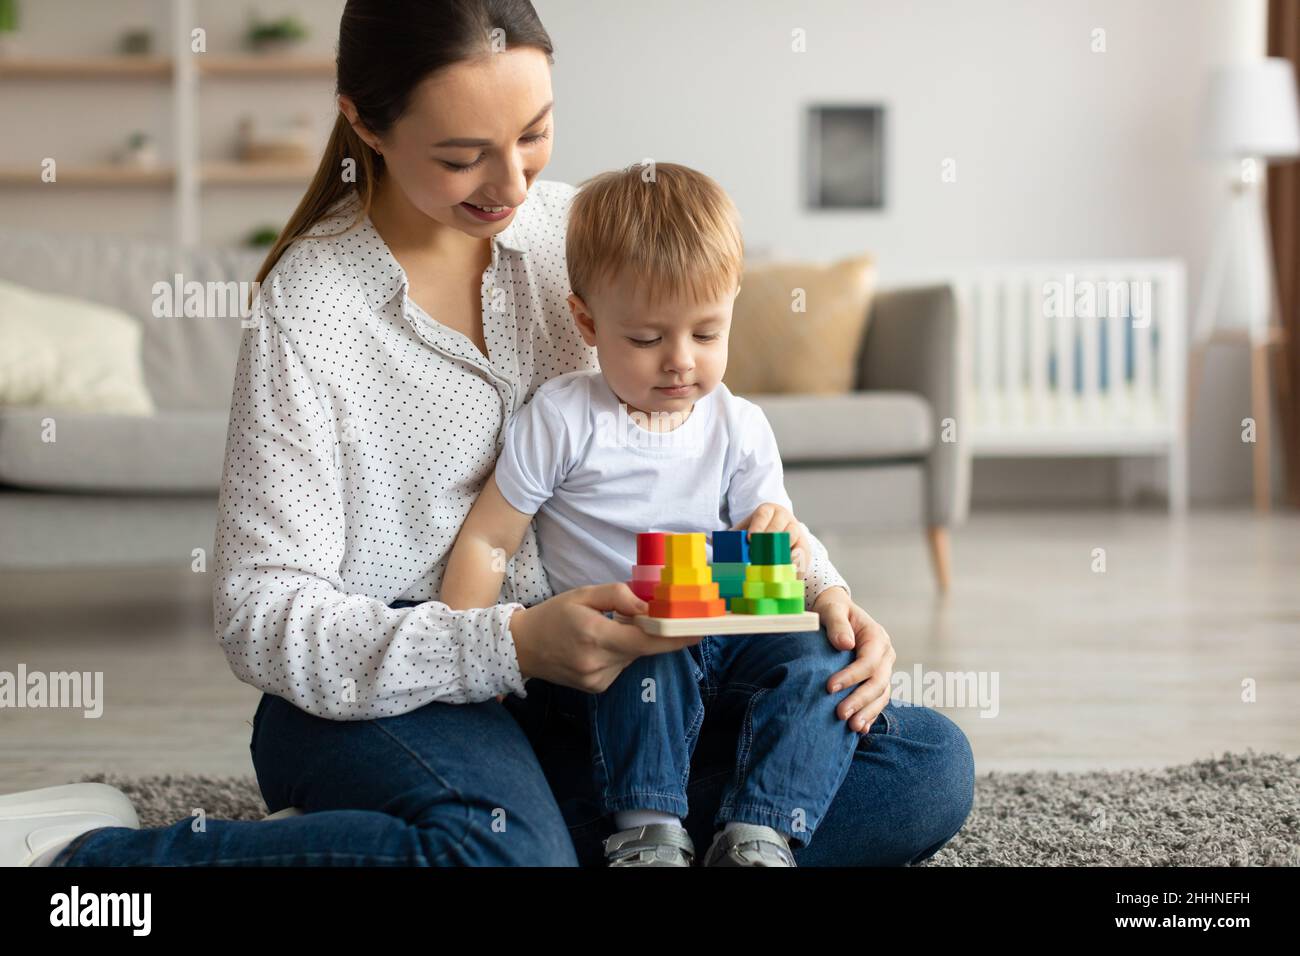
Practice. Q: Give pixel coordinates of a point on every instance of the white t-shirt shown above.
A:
(577, 458)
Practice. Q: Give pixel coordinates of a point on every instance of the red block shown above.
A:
(650, 547)
(645, 590)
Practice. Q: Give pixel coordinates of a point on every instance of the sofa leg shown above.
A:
(939, 556)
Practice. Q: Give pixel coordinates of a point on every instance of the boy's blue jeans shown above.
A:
(792, 750)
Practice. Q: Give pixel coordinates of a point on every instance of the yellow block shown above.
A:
(686, 550)
(672, 574)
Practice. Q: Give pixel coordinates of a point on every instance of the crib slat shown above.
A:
(988, 337)
(1013, 317)
(1143, 382)
(1117, 396)
(1040, 407)
(1090, 342)
(1067, 407)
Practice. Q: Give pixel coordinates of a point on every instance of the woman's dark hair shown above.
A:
(386, 49)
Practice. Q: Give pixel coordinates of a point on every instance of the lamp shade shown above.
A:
(1251, 110)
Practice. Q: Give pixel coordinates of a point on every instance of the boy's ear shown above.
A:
(582, 318)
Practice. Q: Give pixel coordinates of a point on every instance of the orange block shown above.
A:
(687, 592)
(714, 608)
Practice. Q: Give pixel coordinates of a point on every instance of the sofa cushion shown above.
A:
(167, 452)
(69, 353)
(804, 345)
(860, 426)
(189, 362)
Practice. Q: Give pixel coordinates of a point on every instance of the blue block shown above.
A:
(730, 547)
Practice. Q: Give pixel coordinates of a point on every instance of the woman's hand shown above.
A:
(847, 627)
(568, 640)
(773, 517)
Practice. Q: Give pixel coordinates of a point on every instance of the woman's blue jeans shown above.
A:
(512, 784)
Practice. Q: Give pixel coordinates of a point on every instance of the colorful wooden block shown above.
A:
(713, 608)
(771, 572)
(743, 605)
(728, 570)
(686, 550)
(677, 575)
(647, 572)
(769, 547)
(645, 590)
(650, 548)
(688, 592)
(730, 547)
(772, 589)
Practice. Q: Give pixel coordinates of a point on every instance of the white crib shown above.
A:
(1077, 359)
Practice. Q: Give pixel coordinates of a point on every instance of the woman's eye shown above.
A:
(458, 168)
(465, 167)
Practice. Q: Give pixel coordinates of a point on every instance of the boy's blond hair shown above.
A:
(670, 228)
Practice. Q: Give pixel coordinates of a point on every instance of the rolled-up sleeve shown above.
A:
(282, 617)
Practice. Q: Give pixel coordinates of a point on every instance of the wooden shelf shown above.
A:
(252, 174)
(89, 176)
(252, 66)
(89, 67)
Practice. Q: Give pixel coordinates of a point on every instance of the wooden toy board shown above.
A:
(726, 624)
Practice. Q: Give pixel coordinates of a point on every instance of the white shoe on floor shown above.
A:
(34, 821)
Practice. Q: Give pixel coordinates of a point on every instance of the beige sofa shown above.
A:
(120, 490)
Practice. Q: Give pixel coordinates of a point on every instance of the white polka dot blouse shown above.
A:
(360, 433)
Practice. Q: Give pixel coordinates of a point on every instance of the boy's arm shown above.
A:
(488, 539)
(759, 478)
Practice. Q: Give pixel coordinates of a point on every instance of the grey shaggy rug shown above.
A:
(1233, 810)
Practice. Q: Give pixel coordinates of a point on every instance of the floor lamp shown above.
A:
(1250, 115)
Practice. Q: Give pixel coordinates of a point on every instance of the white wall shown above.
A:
(1061, 152)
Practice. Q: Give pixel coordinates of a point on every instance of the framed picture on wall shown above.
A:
(844, 157)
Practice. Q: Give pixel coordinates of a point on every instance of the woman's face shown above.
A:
(477, 132)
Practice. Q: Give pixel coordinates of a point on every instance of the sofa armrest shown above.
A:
(914, 344)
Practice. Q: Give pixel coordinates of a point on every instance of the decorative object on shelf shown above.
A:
(844, 157)
(288, 142)
(140, 151)
(275, 36)
(8, 28)
(262, 236)
(138, 42)
(1251, 116)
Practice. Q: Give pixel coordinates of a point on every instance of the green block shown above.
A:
(773, 589)
(729, 587)
(769, 547)
(728, 570)
(742, 605)
(792, 605)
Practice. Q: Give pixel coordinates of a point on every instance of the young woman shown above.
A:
(414, 301)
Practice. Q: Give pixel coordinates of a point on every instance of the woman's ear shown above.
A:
(349, 111)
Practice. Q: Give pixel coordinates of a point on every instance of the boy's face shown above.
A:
(645, 350)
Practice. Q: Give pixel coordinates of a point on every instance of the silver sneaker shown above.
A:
(749, 844)
(656, 844)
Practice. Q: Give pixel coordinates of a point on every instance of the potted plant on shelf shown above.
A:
(275, 36)
(8, 28)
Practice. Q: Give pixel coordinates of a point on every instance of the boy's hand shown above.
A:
(849, 627)
(770, 517)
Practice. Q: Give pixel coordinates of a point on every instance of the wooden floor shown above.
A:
(1143, 664)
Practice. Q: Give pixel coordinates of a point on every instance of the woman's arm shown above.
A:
(488, 538)
(283, 620)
